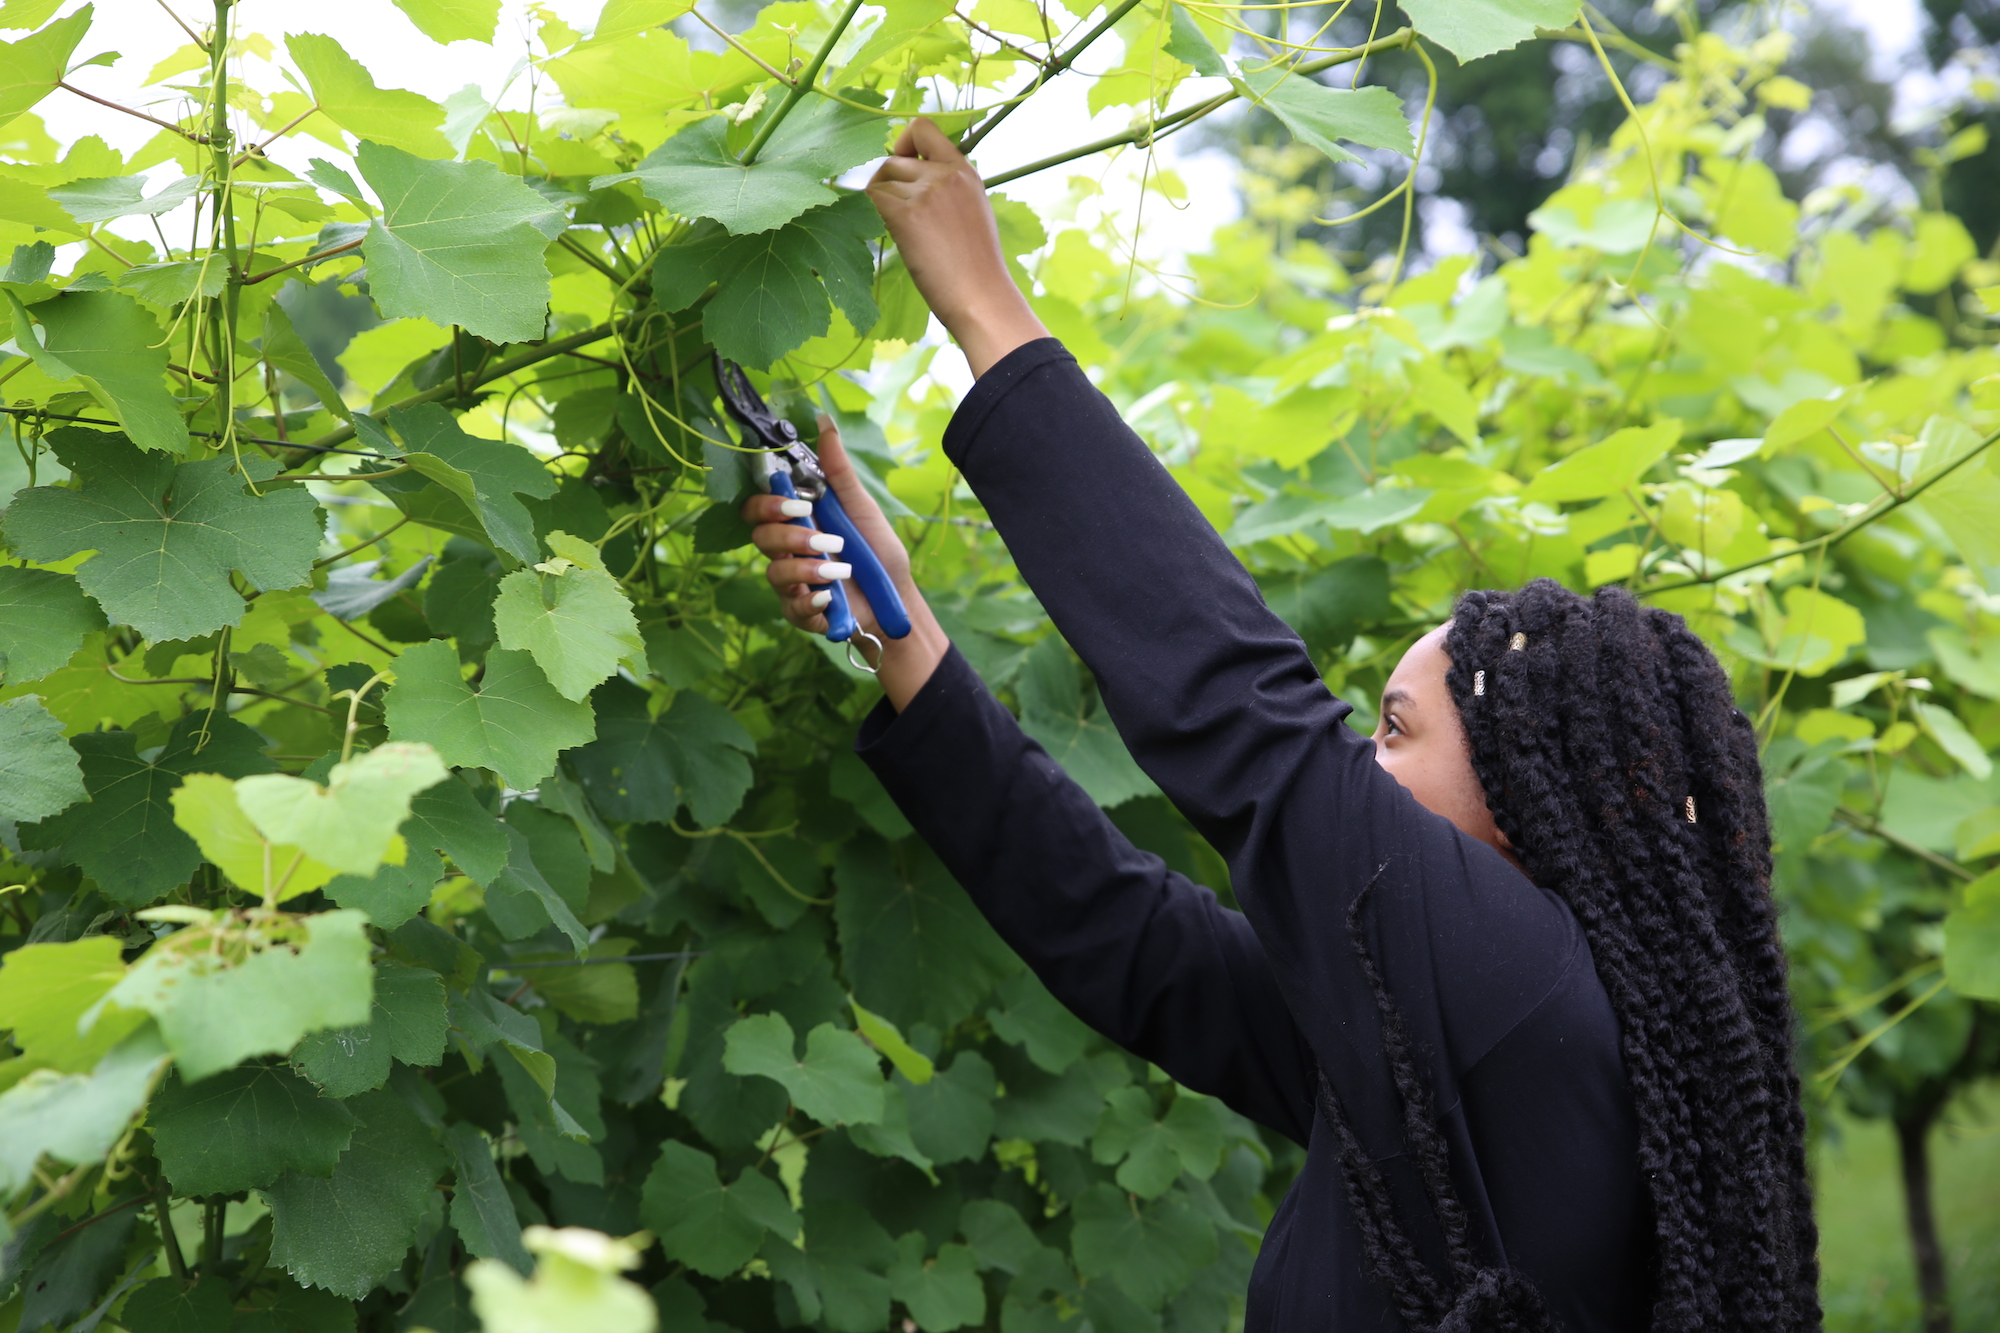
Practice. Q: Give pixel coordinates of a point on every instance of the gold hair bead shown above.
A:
(1517, 643)
(1479, 684)
(1690, 809)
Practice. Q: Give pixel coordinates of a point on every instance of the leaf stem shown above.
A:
(361, 546)
(743, 50)
(807, 76)
(301, 263)
(1186, 116)
(1840, 534)
(162, 1208)
(154, 120)
(1049, 71)
(498, 371)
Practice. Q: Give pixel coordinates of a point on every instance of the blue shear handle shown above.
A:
(869, 576)
(840, 624)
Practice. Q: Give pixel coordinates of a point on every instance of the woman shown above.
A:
(1510, 971)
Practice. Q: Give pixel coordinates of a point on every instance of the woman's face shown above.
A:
(1421, 742)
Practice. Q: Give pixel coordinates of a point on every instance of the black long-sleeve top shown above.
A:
(1220, 704)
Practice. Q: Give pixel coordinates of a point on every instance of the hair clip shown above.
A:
(1479, 684)
(1518, 642)
(1690, 809)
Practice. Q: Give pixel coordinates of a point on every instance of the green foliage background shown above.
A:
(419, 827)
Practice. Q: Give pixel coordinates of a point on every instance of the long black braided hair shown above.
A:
(1616, 762)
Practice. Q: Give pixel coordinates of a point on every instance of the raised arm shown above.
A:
(1135, 950)
(1138, 952)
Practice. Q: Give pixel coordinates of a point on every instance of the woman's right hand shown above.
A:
(801, 557)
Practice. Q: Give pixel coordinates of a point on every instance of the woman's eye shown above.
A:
(1390, 727)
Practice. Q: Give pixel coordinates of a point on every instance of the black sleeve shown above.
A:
(1147, 958)
(1219, 702)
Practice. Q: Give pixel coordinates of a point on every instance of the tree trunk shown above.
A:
(1912, 1137)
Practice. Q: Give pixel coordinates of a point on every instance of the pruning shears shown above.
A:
(792, 470)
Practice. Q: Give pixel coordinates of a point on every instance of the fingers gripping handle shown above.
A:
(869, 576)
(840, 624)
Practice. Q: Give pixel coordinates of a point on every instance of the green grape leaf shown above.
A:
(406, 1021)
(39, 772)
(457, 243)
(167, 1305)
(75, 1118)
(521, 900)
(482, 1212)
(44, 617)
(109, 342)
(205, 807)
(571, 615)
(769, 301)
(998, 1234)
(712, 1228)
(1470, 29)
(167, 535)
(102, 198)
(642, 768)
(914, 946)
(839, 1082)
(941, 1293)
(890, 1136)
(1151, 1252)
(346, 1233)
(125, 837)
(842, 1271)
(31, 68)
(1151, 1154)
(348, 97)
(215, 1011)
(394, 893)
(629, 769)
(46, 989)
(1030, 1017)
(1614, 464)
(350, 823)
(458, 601)
(515, 723)
(1964, 502)
(485, 475)
(696, 175)
(284, 348)
(880, 1033)
(1319, 116)
(445, 21)
(243, 1128)
(951, 1115)
(1972, 940)
(1188, 44)
(450, 818)
(1087, 745)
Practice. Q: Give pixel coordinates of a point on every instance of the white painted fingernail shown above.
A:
(829, 543)
(821, 600)
(833, 570)
(795, 508)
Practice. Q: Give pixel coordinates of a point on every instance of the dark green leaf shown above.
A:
(712, 1228)
(243, 1128)
(348, 1232)
(406, 1022)
(1150, 1251)
(125, 837)
(697, 175)
(481, 1211)
(43, 618)
(774, 286)
(915, 947)
(167, 536)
